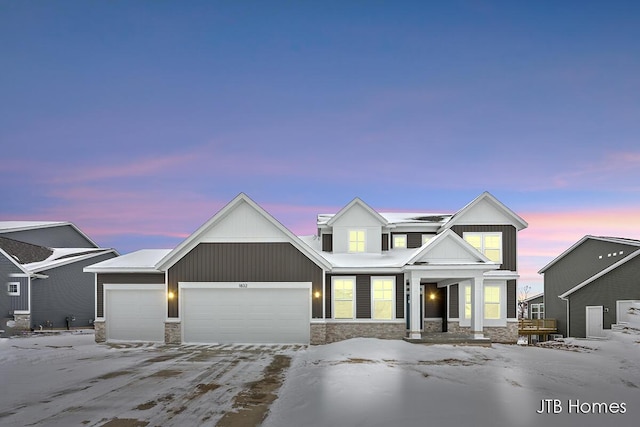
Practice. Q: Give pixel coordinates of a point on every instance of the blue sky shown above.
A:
(138, 120)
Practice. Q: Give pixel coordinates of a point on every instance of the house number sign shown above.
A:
(243, 285)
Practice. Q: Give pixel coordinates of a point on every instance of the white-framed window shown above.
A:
(343, 297)
(399, 240)
(467, 302)
(492, 302)
(489, 244)
(357, 241)
(537, 311)
(13, 288)
(382, 298)
(427, 237)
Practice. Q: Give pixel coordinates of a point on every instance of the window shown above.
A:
(382, 294)
(13, 288)
(537, 311)
(467, 302)
(490, 244)
(356, 241)
(399, 240)
(343, 297)
(492, 302)
(426, 238)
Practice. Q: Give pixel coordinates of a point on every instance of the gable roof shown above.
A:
(630, 242)
(357, 201)
(449, 236)
(516, 220)
(194, 239)
(141, 261)
(24, 253)
(66, 256)
(13, 226)
(601, 273)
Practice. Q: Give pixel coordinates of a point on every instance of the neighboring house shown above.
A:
(590, 286)
(44, 285)
(535, 307)
(243, 277)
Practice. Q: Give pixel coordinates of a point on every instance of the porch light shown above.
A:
(317, 294)
(432, 296)
(170, 295)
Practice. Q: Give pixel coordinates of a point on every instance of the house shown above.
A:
(535, 306)
(243, 277)
(41, 270)
(590, 286)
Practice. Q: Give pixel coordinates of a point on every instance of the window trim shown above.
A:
(404, 236)
(462, 291)
(540, 307)
(17, 292)
(482, 235)
(364, 240)
(392, 279)
(499, 303)
(333, 297)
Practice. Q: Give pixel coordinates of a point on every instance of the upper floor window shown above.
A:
(490, 244)
(356, 241)
(13, 288)
(427, 237)
(399, 240)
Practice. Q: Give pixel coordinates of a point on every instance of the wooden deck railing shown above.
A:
(537, 326)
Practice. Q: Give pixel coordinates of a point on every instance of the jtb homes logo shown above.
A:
(554, 406)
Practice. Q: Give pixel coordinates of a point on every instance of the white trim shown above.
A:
(250, 285)
(133, 287)
(393, 240)
(95, 297)
(632, 301)
(383, 221)
(482, 235)
(61, 262)
(393, 295)
(21, 311)
(364, 240)
(517, 221)
(17, 292)
(333, 297)
(587, 328)
(600, 274)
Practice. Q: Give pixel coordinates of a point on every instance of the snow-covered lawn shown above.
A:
(68, 380)
(368, 382)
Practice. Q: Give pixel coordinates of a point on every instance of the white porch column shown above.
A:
(414, 304)
(477, 306)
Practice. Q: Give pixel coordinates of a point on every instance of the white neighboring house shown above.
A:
(243, 277)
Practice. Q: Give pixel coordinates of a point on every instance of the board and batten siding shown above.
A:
(245, 262)
(454, 300)
(123, 278)
(327, 242)
(509, 249)
(363, 294)
(575, 267)
(622, 283)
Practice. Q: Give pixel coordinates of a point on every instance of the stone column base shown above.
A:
(100, 330)
(173, 333)
(23, 321)
(498, 334)
(318, 333)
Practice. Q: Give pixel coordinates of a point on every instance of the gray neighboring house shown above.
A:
(41, 274)
(535, 307)
(590, 286)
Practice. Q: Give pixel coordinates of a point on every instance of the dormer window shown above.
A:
(489, 244)
(356, 241)
(427, 237)
(399, 240)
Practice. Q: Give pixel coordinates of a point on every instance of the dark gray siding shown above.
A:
(509, 249)
(363, 294)
(66, 291)
(10, 303)
(123, 278)
(414, 239)
(453, 301)
(18, 302)
(512, 299)
(577, 266)
(327, 242)
(623, 283)
(385, 241)
(53, 237)
(245, 262)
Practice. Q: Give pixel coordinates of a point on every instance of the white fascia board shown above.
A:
(452, 266)
(600, 274)
(358, 201)
(517, 221)
(366, 270)
(121, 270)
(424, 249)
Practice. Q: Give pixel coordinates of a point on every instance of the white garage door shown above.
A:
(135, 313)
(257, 313)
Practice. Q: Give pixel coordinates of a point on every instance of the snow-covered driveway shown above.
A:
(69, 380)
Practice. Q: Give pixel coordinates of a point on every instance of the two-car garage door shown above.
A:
(263, 312)
(245, 312)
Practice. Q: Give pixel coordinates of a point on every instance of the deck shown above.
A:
(540, 327)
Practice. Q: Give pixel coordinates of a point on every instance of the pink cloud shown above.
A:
(612, 169)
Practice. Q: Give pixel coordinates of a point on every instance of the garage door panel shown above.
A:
(135, 315)
(223, 315)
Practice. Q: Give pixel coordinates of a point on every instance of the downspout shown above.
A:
(567, 301)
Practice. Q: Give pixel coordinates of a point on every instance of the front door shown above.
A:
(594, 322)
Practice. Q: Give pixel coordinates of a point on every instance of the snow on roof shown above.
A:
(144, 260)
(402, 218)
(63, 256)
(8, 226)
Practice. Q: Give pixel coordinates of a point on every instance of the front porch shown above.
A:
(450, 338)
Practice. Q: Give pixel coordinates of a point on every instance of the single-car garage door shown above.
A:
(135, 312)
(246, 312)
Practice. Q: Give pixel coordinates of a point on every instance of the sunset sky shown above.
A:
(138, 120)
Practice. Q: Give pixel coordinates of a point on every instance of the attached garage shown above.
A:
(135, 312)
(253, 312)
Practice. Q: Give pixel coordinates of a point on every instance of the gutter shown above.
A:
(567, 301)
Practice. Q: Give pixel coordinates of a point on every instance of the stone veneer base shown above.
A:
(23, 321)
(497, 334)
(324, 333)
(173, 333)
(100, 330)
